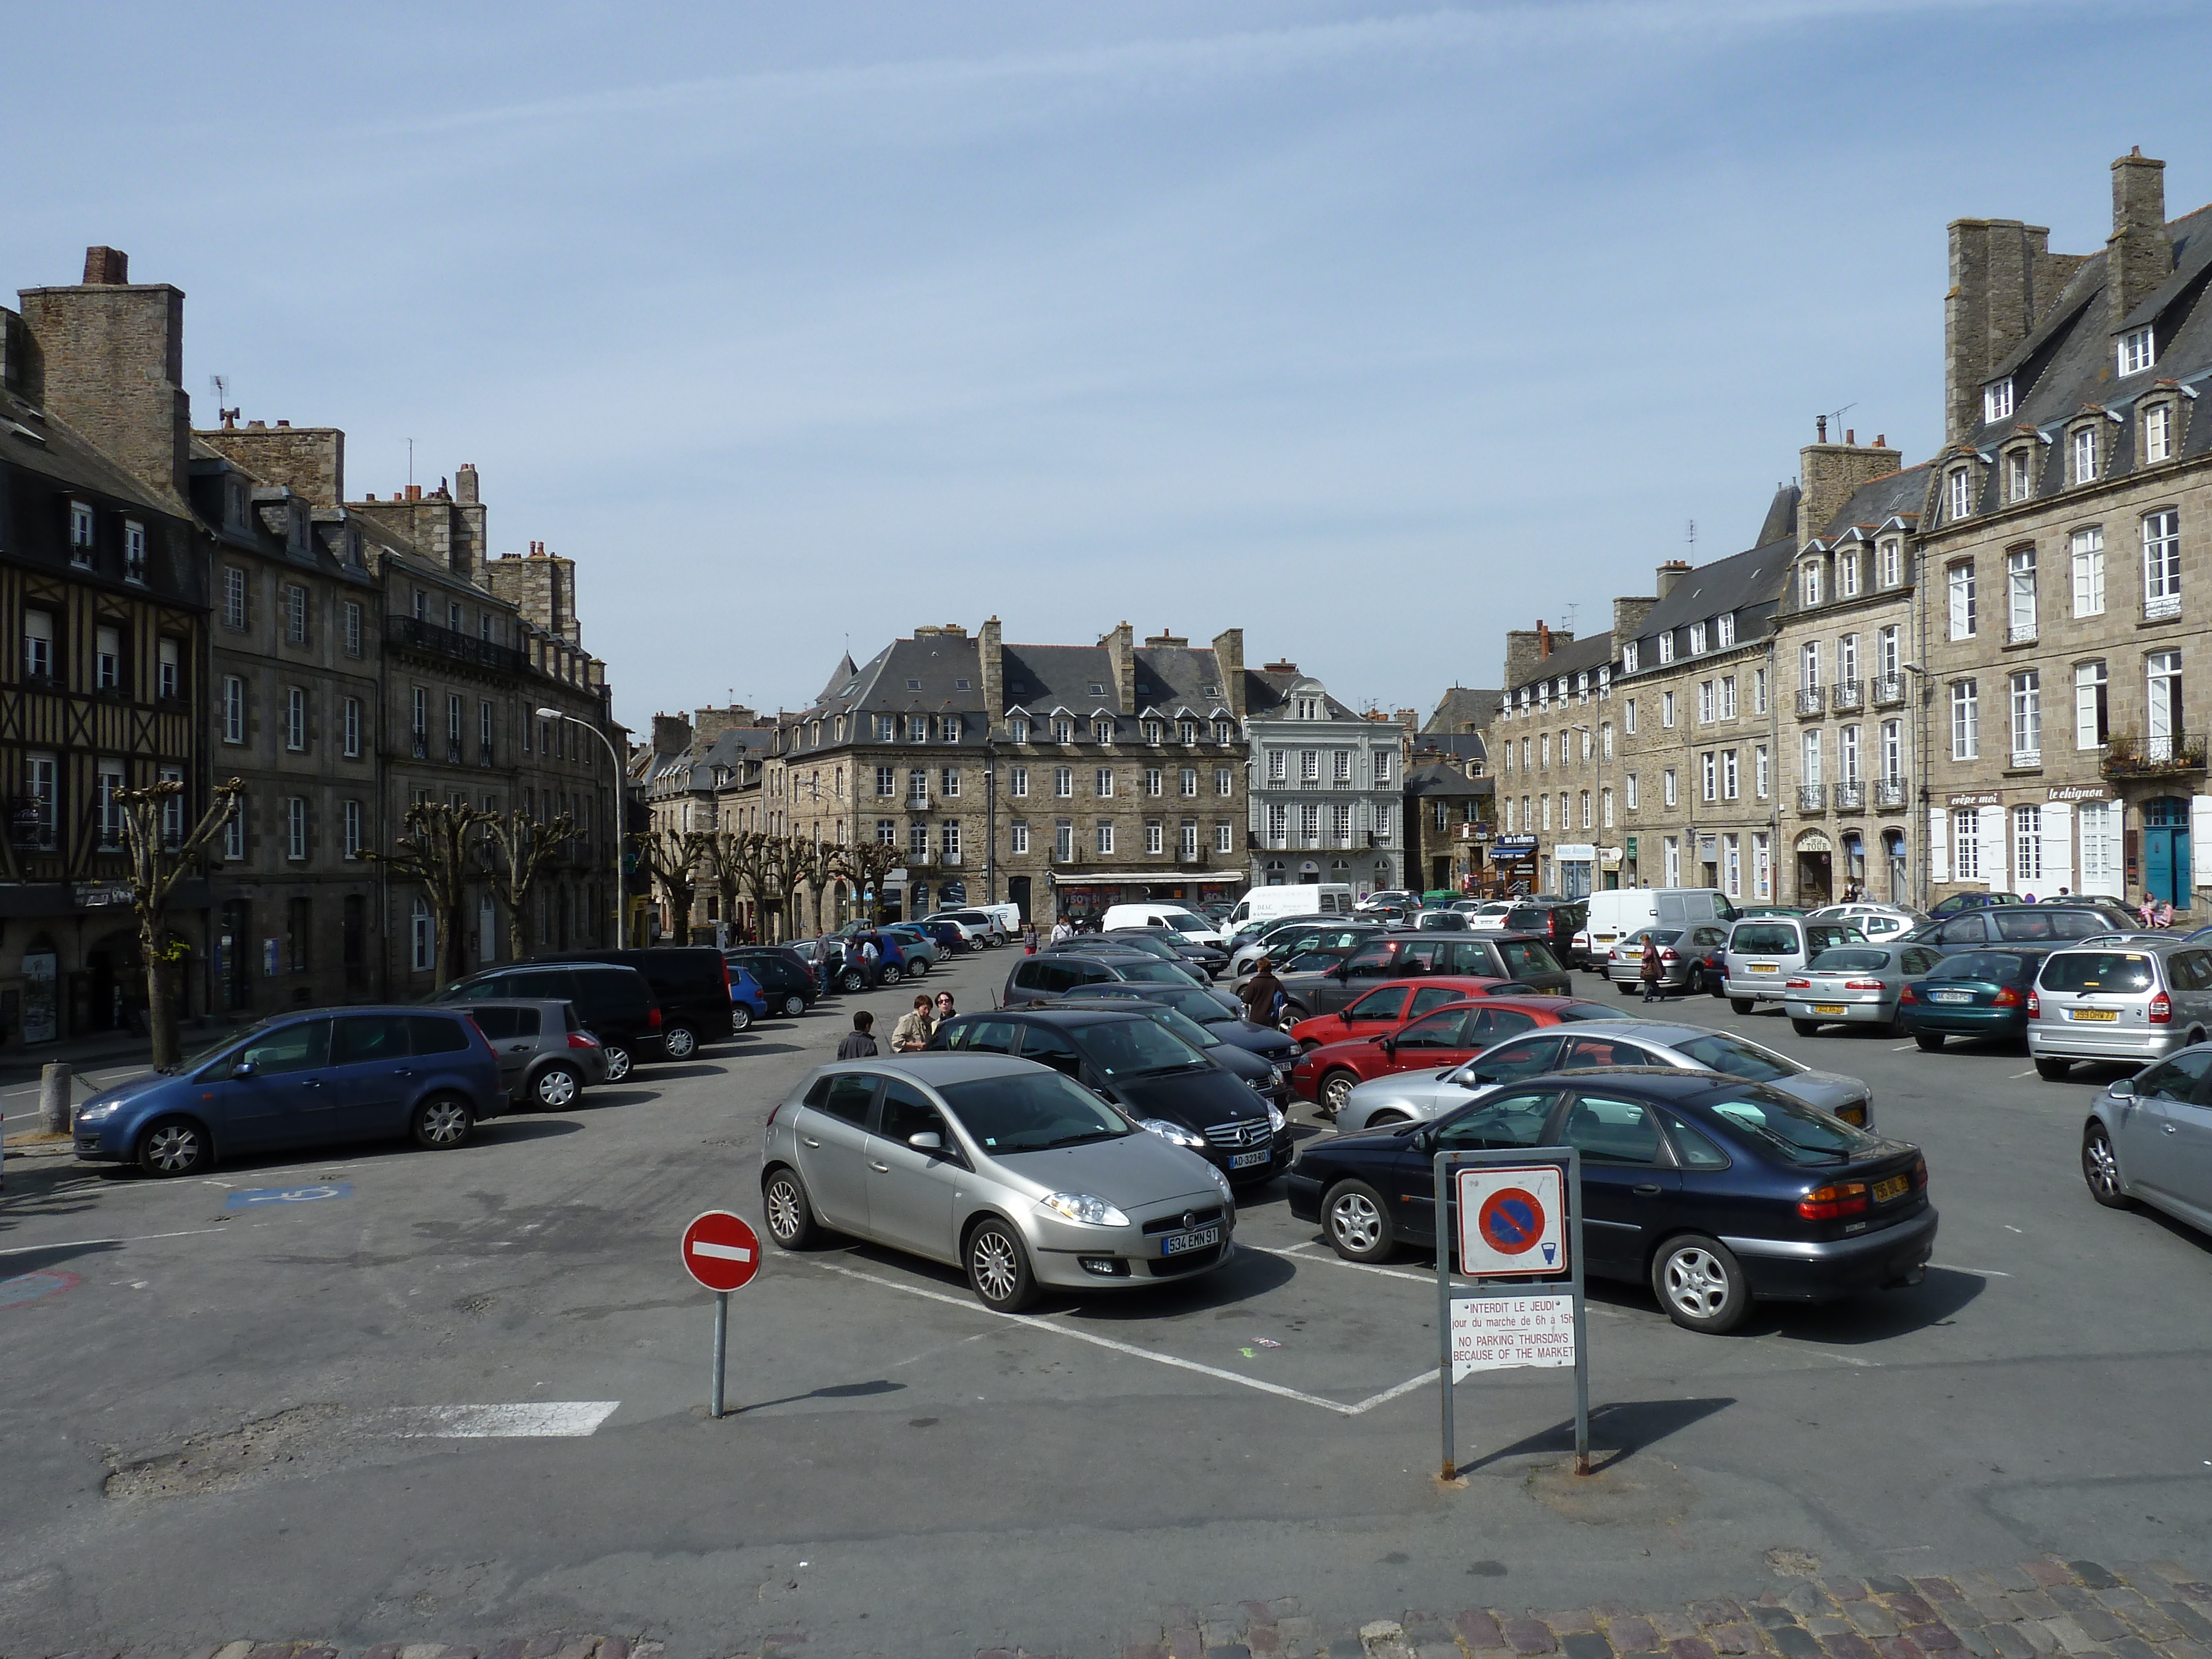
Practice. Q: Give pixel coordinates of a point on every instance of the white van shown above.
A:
(1307, 898)
(1172, 917)
(1616, 913)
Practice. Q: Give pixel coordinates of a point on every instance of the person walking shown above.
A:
(1262, 994)
(1061, 931)
(1652, 969)
(914, 1029)
(860, 1043)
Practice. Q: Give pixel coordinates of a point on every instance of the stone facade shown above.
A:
(1327, 789)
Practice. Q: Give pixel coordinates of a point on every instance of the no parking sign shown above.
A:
(1512, 1222)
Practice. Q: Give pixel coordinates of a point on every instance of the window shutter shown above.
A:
(2200, 835)
(1939, 844)
(1996, 858)
(2057, 849)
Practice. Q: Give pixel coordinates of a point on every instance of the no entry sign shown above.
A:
(721, 1251)
(1512, 1222)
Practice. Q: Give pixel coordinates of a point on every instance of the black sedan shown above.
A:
(1713, 1190)
(1156, 1080)
(1222, 1015)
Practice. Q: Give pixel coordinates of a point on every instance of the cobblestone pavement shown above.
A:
(2077, 1609)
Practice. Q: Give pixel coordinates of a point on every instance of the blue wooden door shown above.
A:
(2166, 849)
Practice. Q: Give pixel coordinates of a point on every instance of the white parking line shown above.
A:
(1336, 1260)
(1355, 1409)
(2018, 1075)
(538, 1419)
(1952, 1267)
(83, 1244)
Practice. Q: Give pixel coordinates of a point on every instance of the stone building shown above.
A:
(1326, 788)
(103, 613)
(1555, 756)
(2064, 558)
(1449, 812)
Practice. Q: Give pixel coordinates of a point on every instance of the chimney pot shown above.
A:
(1821, 427)
(106, 267)
(413, 492)
(1849, 436)
(1880, 441)
(284, 423)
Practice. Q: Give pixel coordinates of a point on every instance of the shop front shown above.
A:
(1512, 866)
(1577, 860)
(1087, 895)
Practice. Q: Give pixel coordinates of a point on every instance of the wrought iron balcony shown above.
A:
(1851, 797)
(1888, 689)
(1812, 797)
(2131, 756)
(1811, 700)
(1891, 791)
(1847, 694)
(427, 639)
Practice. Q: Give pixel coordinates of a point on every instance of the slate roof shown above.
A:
(1746, 586)
(1168, 681)
(1894, 496)
(42, 443)
(1461, 708)
(1442, 778)
(1265, 693)
(1575, 657)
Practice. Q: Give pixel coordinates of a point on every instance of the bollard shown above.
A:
(54, 1098)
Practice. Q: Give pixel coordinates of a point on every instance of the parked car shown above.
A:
(1203, 955)
(1403, 955)
(311, 1079)
(1879, 922)
(1489, 915)
(1223, 1016)
(1323, 898)
(1686, 957)
(1713, 1191)
(1270, 1081)
(1974, 994)
(1446, 1039)
(615, 1003)
(1770, 910)
(1970, 901)
(1444, 920)
(1051, 973)
(1302, 936)
(1386, 898)
(1157, 1079)
(1166, 916)
(2149, 1137)
(1855, 985)
(1006, 1169)
(916, 946)
(890, 965)
(2023, 924)
(988, 927)
(2132, 1005)
(1615, 913)
(546, 1058)
(1562, 924)
(1763, 953)
(789, 989)
(691, 982)
(952, 939)
(1390, 1004)
(1611, 1041)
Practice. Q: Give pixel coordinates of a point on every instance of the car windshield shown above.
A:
(1718, 1052)
(1188, 924)
(2108, 972)
(1581, 1011)
(1851, 962)
(1792, 1131)
(1152, 973)
(1189, 1029)
(215, 1050)
(1999, 965)
(1131, 1048)
(1032, 1112)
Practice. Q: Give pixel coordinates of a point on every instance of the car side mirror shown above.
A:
(2124, 1089)
(929, 1140)
(1424, 1139)
(1344, 1014)
(244, 1068)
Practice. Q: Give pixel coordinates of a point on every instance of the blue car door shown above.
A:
(1515, 1118)
(1630, 1188)
(369, 1072)
(275, 1092)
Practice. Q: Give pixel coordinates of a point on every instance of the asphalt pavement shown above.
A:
(383, 1395)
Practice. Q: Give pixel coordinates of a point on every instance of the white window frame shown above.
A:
(2137, 350)
(1959, 587)
(2083, 454)
(2085, 554)
(1996, 400)
(2092, 705)
(2020, 475)
(2158, 432)
(2161, 563)
(1762, 771)
(2027, 715)
(233, 708)
(1959, 483)
(2020, 596)
(1965, 720)
(296, 719)
(1224, 838)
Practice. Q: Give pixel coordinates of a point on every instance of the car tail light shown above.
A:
(2005, 998)
(1919, 1174)
(2034, 1006)
(1833, 1202)
(580, 1040)
(1796, 984)
(1862, 985)
(1667, 955)
(653, 1017)
(2161, 1010)
(1905, 999)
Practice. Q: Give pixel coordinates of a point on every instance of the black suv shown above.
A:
(1556, 921)
(784, 976)
(692, 984)
(615, 1003)
(1522, 957)
(1152, 1075)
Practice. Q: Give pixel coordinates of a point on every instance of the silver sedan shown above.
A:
(1854, 984)
(1417, 1096)
(1001, 1167)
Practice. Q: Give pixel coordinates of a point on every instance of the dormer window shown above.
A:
(1153, 732)
(1018, 729)
(2081, 455)
(1889, 562)
(1667, 648)
(134, 551)
(1544, 695)
(917, 728)
(1102, 731)
(2158, 433)
(2137, 351)
(1627, 663)
(1188, 730)
(1223, 731)
(1696, 639)
(81, 532)
(1961, 486)
(2019, 480)
(1063, 731)
(1996, 400)
(1847, 575)
(1307, 708)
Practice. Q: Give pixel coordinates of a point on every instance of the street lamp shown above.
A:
(560, 714)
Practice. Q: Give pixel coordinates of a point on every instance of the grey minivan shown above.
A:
(2133, 1004)
(1764, 951)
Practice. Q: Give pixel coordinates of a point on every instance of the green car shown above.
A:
(1975, 993)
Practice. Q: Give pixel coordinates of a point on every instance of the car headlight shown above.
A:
(1083, 1207)
(1275, 1118)
(97, 1111)
(1174, 1131)
(1221, 1181)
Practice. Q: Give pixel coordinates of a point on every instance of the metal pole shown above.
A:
(1582, 1336)
(1444, 1308)
(722, 1349)
(615, 828)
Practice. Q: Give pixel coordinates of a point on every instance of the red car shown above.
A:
(1449, 1036)
(1390, 1004)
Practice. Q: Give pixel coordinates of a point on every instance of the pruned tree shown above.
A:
(773, 873)
(818, 866)
(436, 848)
(666, 857)
(725, 858)
(864, 864)
(514, 848)
(158, 862)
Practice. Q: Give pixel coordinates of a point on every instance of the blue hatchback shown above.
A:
(303, 1079)
(747, 1002)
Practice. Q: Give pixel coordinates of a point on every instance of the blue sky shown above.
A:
(1375, 330)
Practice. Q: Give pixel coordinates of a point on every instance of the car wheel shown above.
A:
(1627, 988)
(999, 1267)
(1292, 1014)
(2052, 1070)
(1357, 1223)
(1929, 1041)
(2101, 1169)
(851, 980)
(680, 1042)
(790, 1221)
(442, 1122)
(1700, 1285)
(618, 1061)
(793, 1007)
(1387, 1120)
(741, 1017)
(1335, 1087)
(557, 1088)
(174, 1146)
(1804, 1027)
(1741, 1005)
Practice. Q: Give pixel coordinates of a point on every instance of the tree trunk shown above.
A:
(161, 991)
(456, 941)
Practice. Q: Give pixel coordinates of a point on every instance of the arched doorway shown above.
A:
(1816, 876)
(2166, 850)
(109, 994)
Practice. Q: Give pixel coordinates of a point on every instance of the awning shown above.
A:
(1155, 877)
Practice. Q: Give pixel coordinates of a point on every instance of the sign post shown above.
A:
(723, 1252)
(1512, 1222)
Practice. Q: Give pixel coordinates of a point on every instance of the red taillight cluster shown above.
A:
(580, 1040)
(1667, 955)
(2005, 998)
(2161, 1010)
(1831, 1203)
(1905, 999)
(1919, 1173)
(2034, 1006)
(652, 1019)
(1796, 984)
(1862, 985)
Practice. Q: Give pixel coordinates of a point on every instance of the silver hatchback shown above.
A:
(1764, 951)
(1001, 1167)
(2133, 1004)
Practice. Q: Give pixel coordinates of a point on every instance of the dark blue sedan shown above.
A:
(1713, 1190)
(304, 1079)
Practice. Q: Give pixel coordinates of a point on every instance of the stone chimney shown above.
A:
(671, 734)
(1120, 647)
(464, 484)
(541, 586)
(107, 357)
(2005, 279)
(1229, 658)
(991, 666)
(1166, 642)
(1831, 474)
(1280, 665)
(1628, 615)
(308, 460)
(1671, 573)
(1524, 650)
(2139, 255)
(708, 723)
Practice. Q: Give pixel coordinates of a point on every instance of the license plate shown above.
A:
(1951, 996)
(2105, 1016)
(1246, 1160)
(1827, 1007)
(1765, 968)
(1196, 1239)
(1892, 1188)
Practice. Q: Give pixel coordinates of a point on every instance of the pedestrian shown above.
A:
(1262, 994)
(870, 959)
(860, 1043)
(1061, 931)
(1652, 969)
(2065, 892)
(945, 1009)
(913, 1030)
(1029, 940)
